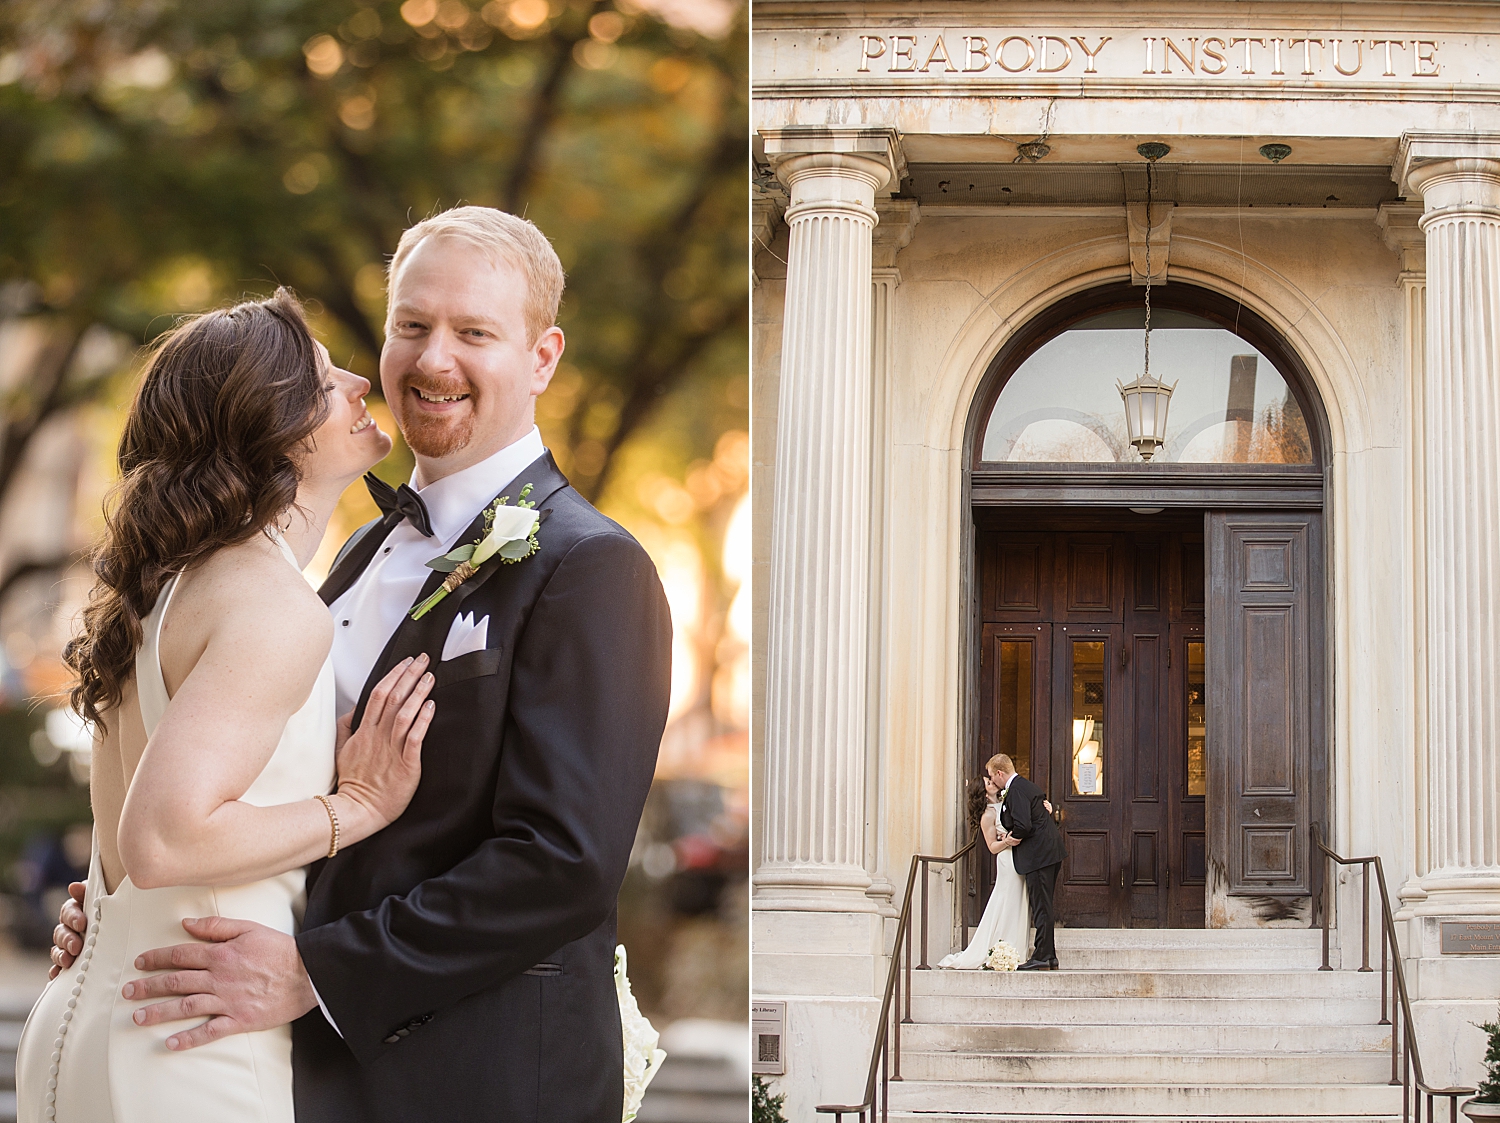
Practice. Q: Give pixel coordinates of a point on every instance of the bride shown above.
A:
(203, 665)
(1006, 916)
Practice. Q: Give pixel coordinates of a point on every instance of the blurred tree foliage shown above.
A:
(162, 156)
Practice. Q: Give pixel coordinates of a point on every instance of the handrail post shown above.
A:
(925, 878)
(1406, 1077)
(1364, 927)
(905, 1015)
(1398, 1025)
(1328, 895)
(895, 1064)
(1385, 939)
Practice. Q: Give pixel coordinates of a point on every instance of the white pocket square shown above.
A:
(466, 636)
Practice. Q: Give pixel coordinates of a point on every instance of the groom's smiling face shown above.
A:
(458, 369)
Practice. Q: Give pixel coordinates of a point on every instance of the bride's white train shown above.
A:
(1006, 915)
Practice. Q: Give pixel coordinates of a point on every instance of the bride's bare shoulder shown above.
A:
(251, 590)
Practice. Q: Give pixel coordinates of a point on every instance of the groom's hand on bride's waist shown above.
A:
(67, 937)
(246, 977)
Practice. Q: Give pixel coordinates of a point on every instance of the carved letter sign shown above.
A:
(1078, 59)
(1326, 58)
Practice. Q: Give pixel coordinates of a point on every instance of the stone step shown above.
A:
(1074, 1117)
(1172, 1101)
(1186, 959)
(1178, 949)
(1315, 986)
(1256, 1038)
(1324, 1067)
(1283, 938)
(1184, 949)
(1154, 1011)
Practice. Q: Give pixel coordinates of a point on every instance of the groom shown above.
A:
(459, 964)
(1038, 856)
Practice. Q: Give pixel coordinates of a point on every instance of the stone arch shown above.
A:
(1330, 369)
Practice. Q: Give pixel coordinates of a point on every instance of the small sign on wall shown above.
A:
(767, 1033)
(1471, 937)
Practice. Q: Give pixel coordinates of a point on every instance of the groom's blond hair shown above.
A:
(503, 237)
(999, 763)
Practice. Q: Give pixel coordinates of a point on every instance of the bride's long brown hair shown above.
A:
(209, 458)
(977, 802)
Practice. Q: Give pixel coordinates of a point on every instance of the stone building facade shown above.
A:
(953, 219)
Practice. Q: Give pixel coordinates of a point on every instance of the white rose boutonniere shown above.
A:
(509, 534)
(642, 1058)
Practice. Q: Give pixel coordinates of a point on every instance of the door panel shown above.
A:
(1265, 600)
(1187, 779)
(1090, 759)
(1015, 714)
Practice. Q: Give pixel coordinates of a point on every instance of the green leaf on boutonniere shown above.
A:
(451, 560)
(509, 534)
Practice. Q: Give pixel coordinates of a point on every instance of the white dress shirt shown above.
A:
(369, 611)
(367, 614)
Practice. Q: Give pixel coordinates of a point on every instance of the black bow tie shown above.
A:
(397, 503)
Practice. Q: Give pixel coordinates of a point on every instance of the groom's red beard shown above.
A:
(430, 435)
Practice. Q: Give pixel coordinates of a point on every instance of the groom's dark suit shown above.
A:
(466, 951)
(1038, 856)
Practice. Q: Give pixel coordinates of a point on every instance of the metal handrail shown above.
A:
(885, 1056)
(1403, 1029)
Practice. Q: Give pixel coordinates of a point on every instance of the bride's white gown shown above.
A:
(81, 1058)
(1006, 917)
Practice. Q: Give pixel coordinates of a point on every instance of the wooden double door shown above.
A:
(1093, 680)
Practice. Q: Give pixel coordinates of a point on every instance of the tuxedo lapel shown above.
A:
(412, 637)
(353, 559)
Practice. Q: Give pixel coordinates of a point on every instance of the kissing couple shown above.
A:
(403, 913)
(1013, 818)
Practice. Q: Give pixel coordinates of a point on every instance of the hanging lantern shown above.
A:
(1146, 399)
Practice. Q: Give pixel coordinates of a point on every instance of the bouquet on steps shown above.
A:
(1002, 957)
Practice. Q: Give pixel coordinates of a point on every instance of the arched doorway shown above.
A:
(1148, 637)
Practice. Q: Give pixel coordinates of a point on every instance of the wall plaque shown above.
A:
(1471, 937)
(767, 1032)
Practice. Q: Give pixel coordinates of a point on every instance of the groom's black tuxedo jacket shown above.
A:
(1023, 813)
(466, 951)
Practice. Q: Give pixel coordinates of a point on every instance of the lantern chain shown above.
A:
(1150, 165)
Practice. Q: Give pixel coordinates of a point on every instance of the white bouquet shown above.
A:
(1002, 957)
(642, 1057)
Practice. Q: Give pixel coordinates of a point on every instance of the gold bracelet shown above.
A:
(333, 821)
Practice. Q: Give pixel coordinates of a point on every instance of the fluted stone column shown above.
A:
(898, 222)
(1458, 179)
(817, 715)
(1401, 224)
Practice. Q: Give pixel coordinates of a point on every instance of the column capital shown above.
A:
(879, 146)
(1421, 155)
(1400, 226)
